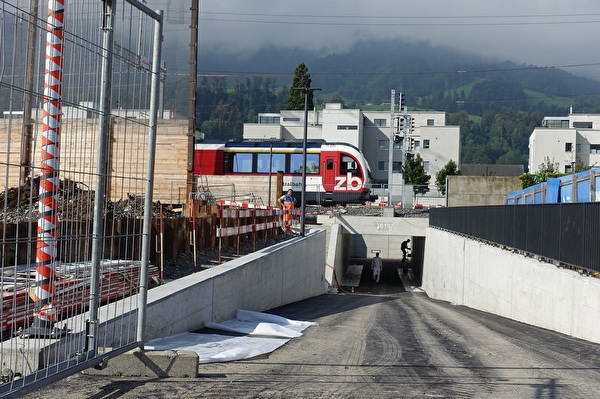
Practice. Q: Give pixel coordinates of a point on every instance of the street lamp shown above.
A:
(306, 91)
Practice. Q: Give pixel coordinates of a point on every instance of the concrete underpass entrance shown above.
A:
(398, 273)
(351, 240)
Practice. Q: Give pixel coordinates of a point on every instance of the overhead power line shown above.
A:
(413, 21)
(403, 24)
(313, 16)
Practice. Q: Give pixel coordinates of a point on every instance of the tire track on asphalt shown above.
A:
(529, 354)
(424, 349)
(333, 371)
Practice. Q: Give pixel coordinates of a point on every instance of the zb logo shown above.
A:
(348, 183)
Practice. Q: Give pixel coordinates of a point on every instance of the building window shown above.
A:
(380, 122)
(398, 146)
(397, 166)
(568, 147)
(594, 148)
(383, 144)
(268, 120)
(556, 124)
(347, 127)
(568, 169)
(425, 143)
(426, 166)
(381, 165)
(417, 145)
(582, 125)
(291, 119)
(429, 122)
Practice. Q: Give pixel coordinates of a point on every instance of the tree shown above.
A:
(580, 166)
(440, 177)
(546, 170)
(414, 173)
(302, 79)
(548, 166)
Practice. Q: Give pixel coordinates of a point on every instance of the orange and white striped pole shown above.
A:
(47, 232)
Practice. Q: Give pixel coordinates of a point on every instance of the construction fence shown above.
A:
(75, 206)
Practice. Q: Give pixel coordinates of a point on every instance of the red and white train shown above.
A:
(336, 172)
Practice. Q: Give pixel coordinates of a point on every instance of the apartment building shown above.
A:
(564, 141)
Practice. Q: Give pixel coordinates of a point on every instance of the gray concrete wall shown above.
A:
(480, 190)
(337, 258)
(275, 276)
(471, 273)
(386, 234)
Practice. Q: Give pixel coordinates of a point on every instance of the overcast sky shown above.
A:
(541, 32)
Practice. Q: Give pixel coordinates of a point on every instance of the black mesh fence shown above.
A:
(566, 233)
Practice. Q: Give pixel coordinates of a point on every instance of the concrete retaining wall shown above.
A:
(275, 276)
(480, 276)
(337, 255)
(480, 190)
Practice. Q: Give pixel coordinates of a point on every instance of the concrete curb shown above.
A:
(138, 363)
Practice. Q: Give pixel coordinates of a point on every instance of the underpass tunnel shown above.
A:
(360, 249)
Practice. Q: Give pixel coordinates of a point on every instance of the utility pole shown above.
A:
(27, 132)
(193, 79)
(306, 91)
(391, 146)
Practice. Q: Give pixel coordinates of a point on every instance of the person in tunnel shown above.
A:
(404, 247)
(376, 266)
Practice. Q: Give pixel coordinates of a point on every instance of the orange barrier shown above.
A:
(251, 219)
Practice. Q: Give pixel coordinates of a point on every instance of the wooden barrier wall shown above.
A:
(78, 154)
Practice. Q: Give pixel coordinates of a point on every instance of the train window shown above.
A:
(296, 161)
(349, 164)
(277, 162)
(330, 164)
(242, 163)
(312, 160)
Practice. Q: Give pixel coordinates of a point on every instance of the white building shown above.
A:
(562, 140)
(370, 131)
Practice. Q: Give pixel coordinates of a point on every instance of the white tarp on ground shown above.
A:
(264, 333)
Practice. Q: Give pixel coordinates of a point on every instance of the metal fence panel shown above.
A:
(551, 233)
(74, 198)
(535, 226)
(591, 237)
(509, 226)
(572, 228)
(520, 231)
(565, 233)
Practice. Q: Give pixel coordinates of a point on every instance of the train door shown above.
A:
(329, 165)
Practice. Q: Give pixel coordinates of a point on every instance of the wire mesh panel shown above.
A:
(567, 234)
(78, 84)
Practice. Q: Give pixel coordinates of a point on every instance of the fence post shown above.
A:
(147, 229)
(98, 230)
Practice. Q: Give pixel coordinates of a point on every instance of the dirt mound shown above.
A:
(75, 202)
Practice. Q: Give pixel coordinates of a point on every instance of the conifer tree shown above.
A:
(302, 79)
